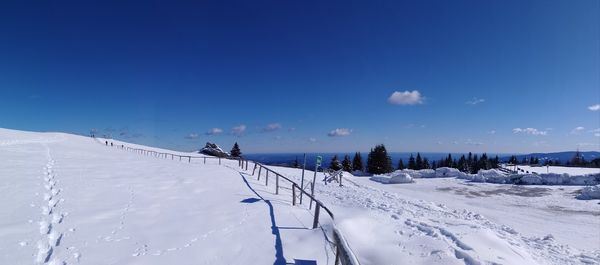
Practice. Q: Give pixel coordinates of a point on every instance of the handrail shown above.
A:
(343, 253)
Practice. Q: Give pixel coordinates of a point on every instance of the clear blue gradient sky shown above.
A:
(494, 76)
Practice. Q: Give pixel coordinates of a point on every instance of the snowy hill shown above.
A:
(69, 199)
(75, 200)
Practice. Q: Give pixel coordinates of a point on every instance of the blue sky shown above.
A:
(307, 76)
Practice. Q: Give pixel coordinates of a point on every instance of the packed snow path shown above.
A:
(67, 200)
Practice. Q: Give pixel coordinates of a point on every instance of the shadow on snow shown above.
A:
(279, 259)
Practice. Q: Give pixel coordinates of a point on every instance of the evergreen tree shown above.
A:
(357, 162)
(401, 164)
(335, 163)
(448, 162)
(235, 150)
(469, 162)
(513, 160)
(433, 164)
(411, 162)
(462, 164)
(483, 163)
(419, 162)
(474, 167)
(296, 164)
(346, 164)
(379, 161)
(496, 162)
(577, 159)
(426, 163)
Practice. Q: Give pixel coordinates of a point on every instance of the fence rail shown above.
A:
(343, 253)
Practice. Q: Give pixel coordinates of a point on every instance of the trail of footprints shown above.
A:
(50, 218)
(113, 234)
(143, 250)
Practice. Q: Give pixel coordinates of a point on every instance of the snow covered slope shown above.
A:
(68, 199)
(453, 221)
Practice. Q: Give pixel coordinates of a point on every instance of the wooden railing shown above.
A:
(343, 253)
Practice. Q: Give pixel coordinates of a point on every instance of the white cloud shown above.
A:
(238, 130)
(191, 136)
(577, 130)
(291, 129)
(475, 101)
(406, 98)
(492, 132)
(272, 127)
(312, 139)
(530, 131)
(470, 142)
(340, 132)
(594, 107)
(214, 131)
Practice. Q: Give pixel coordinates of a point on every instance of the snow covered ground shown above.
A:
(573, 171)
(453, 221)
(68, 199)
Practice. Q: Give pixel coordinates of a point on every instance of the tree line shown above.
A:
(379, 162)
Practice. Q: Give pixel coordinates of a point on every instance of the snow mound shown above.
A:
(423, 173)
(400, 178)
(556, 179)
(589, 193)
(489, 176)
(448, 172)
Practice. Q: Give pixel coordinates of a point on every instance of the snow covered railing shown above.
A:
(343, 254)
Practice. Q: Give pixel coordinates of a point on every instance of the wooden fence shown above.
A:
(343, 253)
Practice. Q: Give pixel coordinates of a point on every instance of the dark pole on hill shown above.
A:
(302, 182)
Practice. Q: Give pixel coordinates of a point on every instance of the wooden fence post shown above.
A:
(316, 220)
(204, 160)
(219, 160)
(259, 169)
(189, 159)
(293, 194)
(276, 183)
(253, 170)
(246, 165)
(267, 179)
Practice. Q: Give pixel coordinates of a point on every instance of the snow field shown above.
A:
(419, 224)
(68, 200)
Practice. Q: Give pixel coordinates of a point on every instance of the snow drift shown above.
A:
(590, 193)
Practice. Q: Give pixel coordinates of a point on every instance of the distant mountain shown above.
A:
(563, 157)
